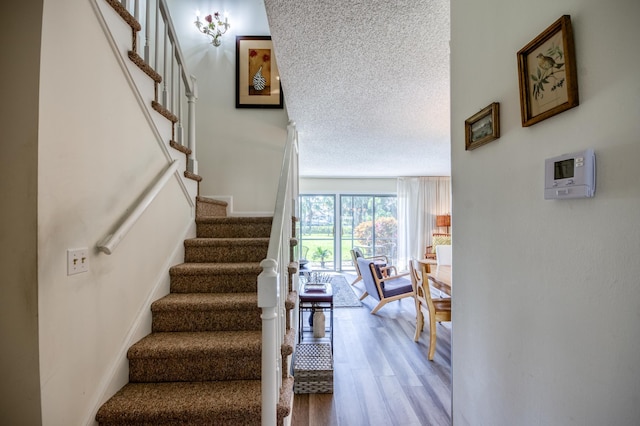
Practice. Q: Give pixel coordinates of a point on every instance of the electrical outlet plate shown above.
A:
(77, 261)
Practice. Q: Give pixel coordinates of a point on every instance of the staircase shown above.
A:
(202, 362)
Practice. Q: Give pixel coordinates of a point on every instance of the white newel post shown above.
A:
(268, 289)
(192, 96)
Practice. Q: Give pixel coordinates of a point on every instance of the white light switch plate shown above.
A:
(77, 261)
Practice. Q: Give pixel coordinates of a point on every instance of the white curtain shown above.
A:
(420, 200)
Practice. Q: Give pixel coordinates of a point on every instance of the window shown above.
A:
(316, 236)
(368, 222)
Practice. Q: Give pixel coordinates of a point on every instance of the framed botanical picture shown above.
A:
(257, 76)
(483, 127)
(547, 73)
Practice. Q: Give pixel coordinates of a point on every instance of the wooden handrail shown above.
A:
(111, 241)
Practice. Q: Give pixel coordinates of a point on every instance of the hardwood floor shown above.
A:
(381, 376)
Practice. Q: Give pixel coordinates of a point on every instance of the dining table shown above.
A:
(439, 275)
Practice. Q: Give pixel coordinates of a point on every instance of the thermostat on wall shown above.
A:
(570, 175)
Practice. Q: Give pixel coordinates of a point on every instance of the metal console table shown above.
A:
(312, 301)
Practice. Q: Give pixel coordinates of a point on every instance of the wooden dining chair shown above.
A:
(438, 310)
(444, 254)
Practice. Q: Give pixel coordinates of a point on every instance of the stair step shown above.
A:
(206, 312)
(208, 207)
(175, 403)
(192, 403)
(215, 277)
(233, 227)
(196, 356)
(221, 250)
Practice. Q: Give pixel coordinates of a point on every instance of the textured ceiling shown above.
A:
(367, 84)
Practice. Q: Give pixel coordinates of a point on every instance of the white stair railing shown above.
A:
(273, 281)
(157, 43)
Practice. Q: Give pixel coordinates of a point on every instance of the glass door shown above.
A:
(316, 237)
(368, 222)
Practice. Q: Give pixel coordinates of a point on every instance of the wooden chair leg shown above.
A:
(380, 305)
(364, 295)
(419, 322)
(357, 279)
(432, 336)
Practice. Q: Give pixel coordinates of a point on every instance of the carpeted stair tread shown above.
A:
(226, 242)
(196, 277)
(289, 343)
(213, 201)
(233, 227)
(286, 350)
(171, 344)
(234, 220)
(191, 268)
(206, 312)
(293, 268)
(206, 301)
(224, 250)
(286, 398)
(292, 299)
(208, 207)
(196, 356)
(176, 403)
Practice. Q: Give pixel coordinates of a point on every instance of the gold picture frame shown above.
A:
(547, 73)
(257, 76)
(482, 127)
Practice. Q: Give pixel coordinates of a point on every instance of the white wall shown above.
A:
(239, 150)
(20, 384)
(546, 293)
(97, 155)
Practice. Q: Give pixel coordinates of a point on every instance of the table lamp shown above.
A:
(443, 220)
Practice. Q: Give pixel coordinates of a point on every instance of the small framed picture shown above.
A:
(483, 127)
(257, 77)
(547, 73)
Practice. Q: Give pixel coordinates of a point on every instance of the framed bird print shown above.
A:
(257, 77)
(547, 73)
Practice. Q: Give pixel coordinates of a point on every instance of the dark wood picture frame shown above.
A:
(547, 73)
(257, 76)
(482, 127)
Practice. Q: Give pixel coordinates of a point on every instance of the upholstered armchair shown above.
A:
(384, 284)
(356, 254)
